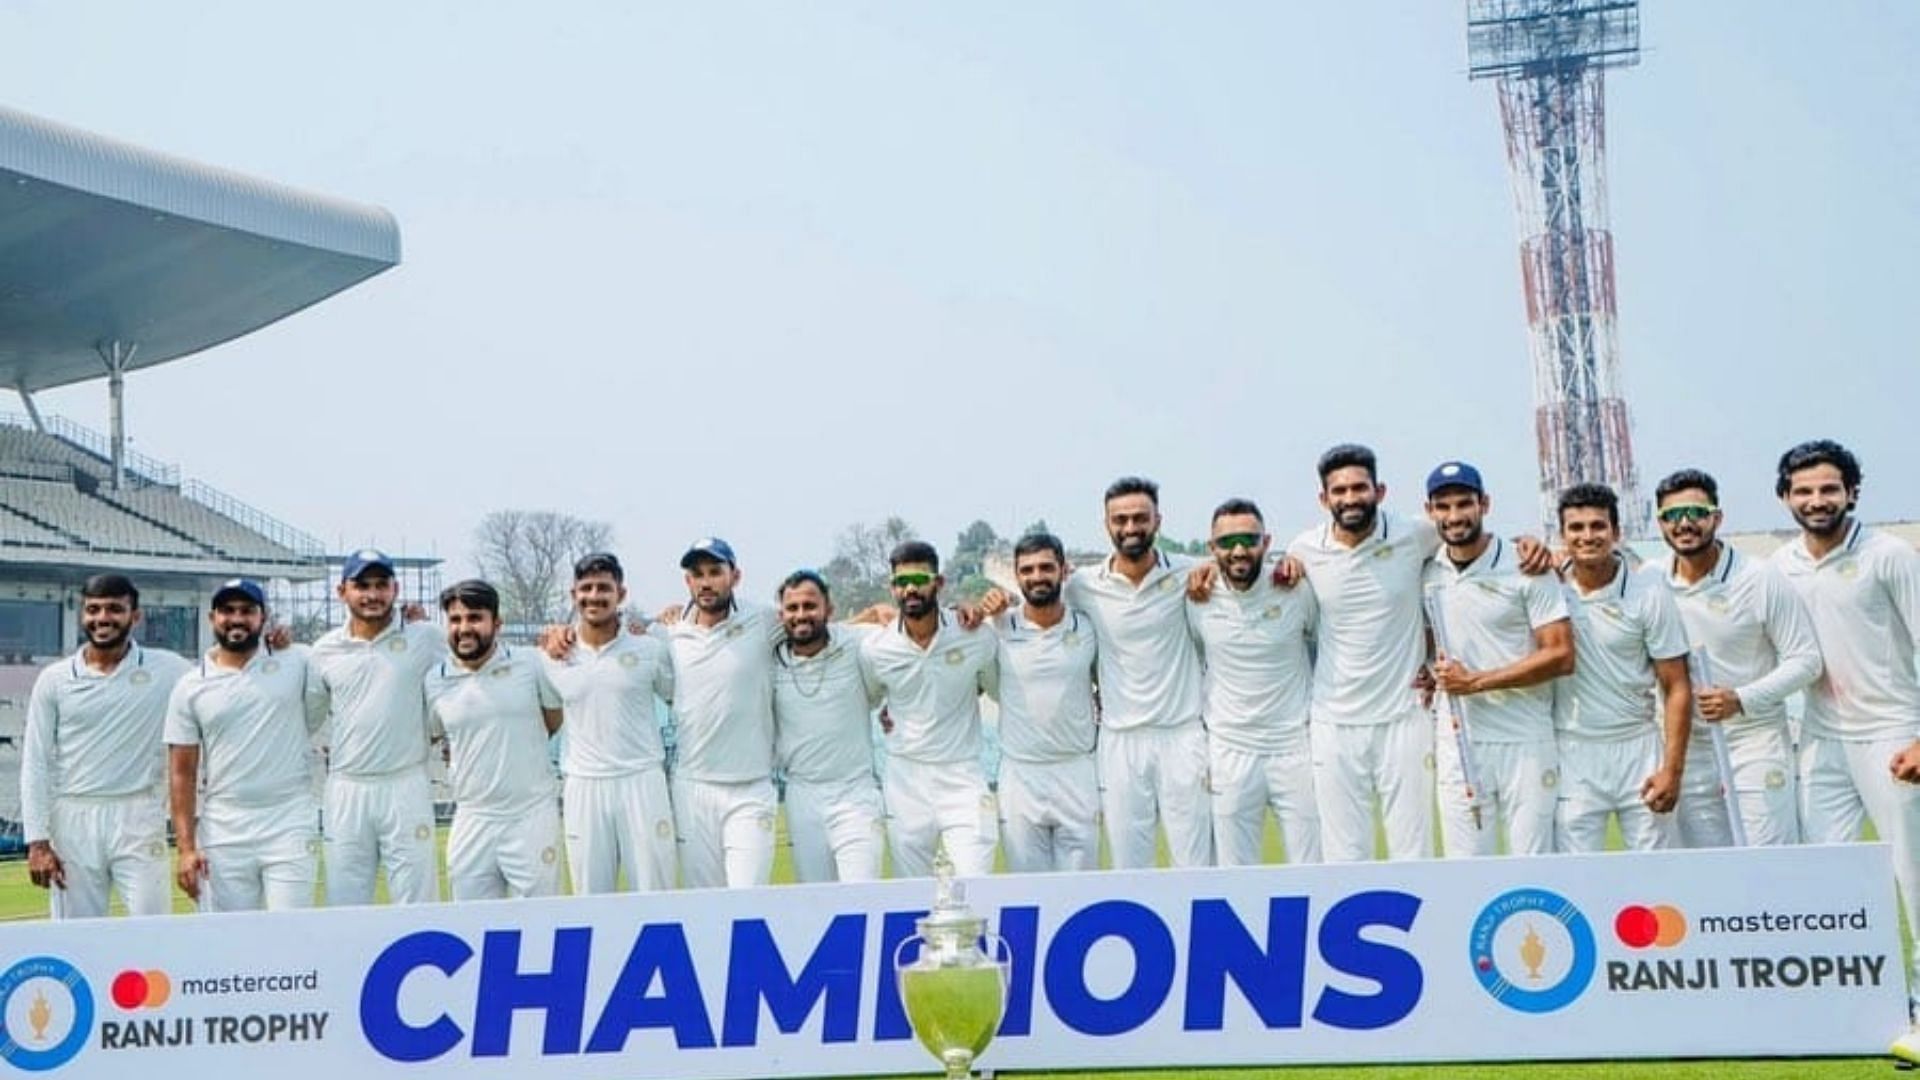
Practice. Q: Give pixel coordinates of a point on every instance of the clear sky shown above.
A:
(763, 270)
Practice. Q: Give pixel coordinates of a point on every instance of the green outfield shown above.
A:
(21, 901)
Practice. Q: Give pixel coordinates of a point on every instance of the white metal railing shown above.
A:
(146, 468)
(259, 521)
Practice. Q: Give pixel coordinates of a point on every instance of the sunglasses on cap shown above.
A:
(1237, 540)
(912, 580)
(1687, 512)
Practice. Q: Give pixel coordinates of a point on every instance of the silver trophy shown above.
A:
(955, 991)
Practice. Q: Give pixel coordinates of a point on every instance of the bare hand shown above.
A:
(44, 866)
(1661, 792)
(886, 722)
(970, 616)
(875, 615)
(412, 611)
(1536, 558)
(1423, 685)
(1200, 581)
(1717, 703)
(994, 602)
(1452, 677)
(278, 637)
(1289, 571)
(670, 616)
(191, 873)
(1906, 764)
(557, 641)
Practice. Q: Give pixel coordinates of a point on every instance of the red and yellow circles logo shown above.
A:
(141, 989)
(1660, 926)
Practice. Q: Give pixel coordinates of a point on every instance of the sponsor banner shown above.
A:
(1739, 953)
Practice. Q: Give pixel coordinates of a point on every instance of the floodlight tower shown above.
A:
(1549, 57)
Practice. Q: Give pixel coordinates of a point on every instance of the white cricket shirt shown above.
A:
(90, 735)
(374, 690)
(1046, 686)
(608, 694)
(723, 694)
(1619, 630)
(251, 725)
(1149, 666)
(1491, 610)
(1259, 670)
(1864, 600)
(1370, 638)
(1756, 632)
(496, 735)
(933, 694)
(822, 714)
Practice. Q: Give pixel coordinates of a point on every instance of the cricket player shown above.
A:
(496, 708)
(1049, 791)
(1153, 746)
(92, 766)
(1253, 638)
(240, 719)
(722, 784)
(1862, 591)
(618, 816)
(1616, 759)
(1509, 638)
(930, 672)
(371, 674)
(1758, 641)
(823, 738)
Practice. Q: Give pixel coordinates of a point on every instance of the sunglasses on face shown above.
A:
(911, 581)
(1687, 512)
(1237, 540)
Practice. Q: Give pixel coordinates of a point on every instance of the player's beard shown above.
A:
(117, 636)
(804, 631)
(1240, 572)
(1690, 542)
(1471, 537)
(1041, 593)
(471, 645)
(245, 643)
(713, 602)
(1834, 525)
(1134, 545)
(1356, 517)
(916, 605)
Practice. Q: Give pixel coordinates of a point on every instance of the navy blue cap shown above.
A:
(708, 547)
(1455, 474)
(242, 588)
(364, 560)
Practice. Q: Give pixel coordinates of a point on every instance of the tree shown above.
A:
(966, 567)
(1174, 547)
(529, 554)
(858, 572)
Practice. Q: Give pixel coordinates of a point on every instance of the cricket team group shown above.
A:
(1375, 670)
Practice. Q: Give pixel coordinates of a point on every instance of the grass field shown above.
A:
(21, 901)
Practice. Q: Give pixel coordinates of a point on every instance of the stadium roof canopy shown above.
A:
(115, 258)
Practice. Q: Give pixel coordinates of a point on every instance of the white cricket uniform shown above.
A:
(379, 799)
(1758, 640)
(936, 790)
(1864, 600)
(506, 829)
(723, 798)
(257, 815)
(1259, 675)
(1049, 789)
(618, 815)
(1371, 738)
(1606, 713)
(1491, 610)
(1153, 745)
(823, 742)
(93, 777)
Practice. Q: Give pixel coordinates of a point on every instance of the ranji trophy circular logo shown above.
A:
(46, 1013)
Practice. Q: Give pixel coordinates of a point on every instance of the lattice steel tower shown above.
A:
(1549, 57)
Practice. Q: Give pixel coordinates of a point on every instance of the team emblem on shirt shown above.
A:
(1070, 638)
(396, 644)
(1166, 583)
(1550, 778)
(140, 677)
(1848, 569)
(502, 671)
(547, 855)
(629, 660)
(734, 630)
(422, 832)
(1383, 551)
(1272, 612)
(269, 666)
(955, 655)
(1611, 611)
(1718, 604)
(1776, 779)
(663, 829)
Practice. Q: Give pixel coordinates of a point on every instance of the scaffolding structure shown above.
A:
(1549, 57)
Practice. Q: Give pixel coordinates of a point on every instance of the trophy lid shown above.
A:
(950, 911)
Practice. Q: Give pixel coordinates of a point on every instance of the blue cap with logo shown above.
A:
(707, 547)
(239, 589)
(1454, 474)
(364, 560)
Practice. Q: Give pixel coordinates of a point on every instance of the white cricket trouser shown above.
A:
(1156, 773)
(620, 823)
(1246, 784)
(944, 803)
(110, 843)
(1843, 785)
(1050, 814)
(1763, 781)
(838, 830)
(492, 855)
(1518, 785)
(726, 832)
(1602, 777)
(1354, 763)
(260, 857)
(371, 820)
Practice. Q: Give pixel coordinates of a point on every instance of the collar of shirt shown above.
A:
(1382, 530)
(1486, 563)
(453, 669)
(1161, 565)
(1069, 623)
(933, 644)
(261, 656)
(1615, 589)
(1718, 574)
(835, 643)
(1798, 548)
(136, 658)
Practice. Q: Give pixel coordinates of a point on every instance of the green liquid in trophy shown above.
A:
(953, 1008)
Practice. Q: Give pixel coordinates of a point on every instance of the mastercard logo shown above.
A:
(141, 989)
(1660, 926)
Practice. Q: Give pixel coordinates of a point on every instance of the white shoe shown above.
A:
(1907, 1047)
